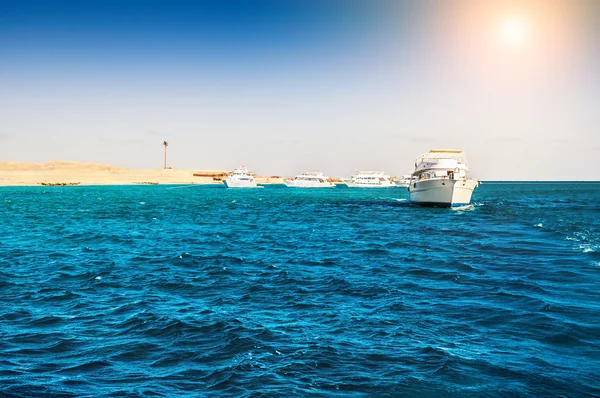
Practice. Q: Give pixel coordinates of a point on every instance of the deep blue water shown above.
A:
(169, 291)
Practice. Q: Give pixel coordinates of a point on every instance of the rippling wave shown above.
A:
(152, 291)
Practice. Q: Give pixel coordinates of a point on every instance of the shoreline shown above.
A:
(62, 173)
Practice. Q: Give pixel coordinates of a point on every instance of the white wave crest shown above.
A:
(588, 248)
(464, 208)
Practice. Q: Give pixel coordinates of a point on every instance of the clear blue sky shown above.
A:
(291, 86)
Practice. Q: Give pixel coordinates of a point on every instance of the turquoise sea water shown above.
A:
(169, 291)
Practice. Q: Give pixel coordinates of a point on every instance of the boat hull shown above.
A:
(442, 193)
(371, 186)
(306, 184)
(351, 184)
(239, 184)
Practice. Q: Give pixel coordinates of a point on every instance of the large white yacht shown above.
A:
(369, 179)
(240, 178)
(403, 181)
(440, 179)
(309, 180)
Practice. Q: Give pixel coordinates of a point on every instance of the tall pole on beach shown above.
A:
(166, 144)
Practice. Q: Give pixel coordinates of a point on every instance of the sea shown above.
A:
(176, 291)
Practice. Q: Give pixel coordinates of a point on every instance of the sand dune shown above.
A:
(87, 173)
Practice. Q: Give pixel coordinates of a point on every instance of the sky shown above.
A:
(290, 86)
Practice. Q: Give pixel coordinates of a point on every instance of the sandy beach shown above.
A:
(86, 173)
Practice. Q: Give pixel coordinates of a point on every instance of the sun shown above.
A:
(514, 31)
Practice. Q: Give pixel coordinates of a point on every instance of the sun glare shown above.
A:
(514, 31)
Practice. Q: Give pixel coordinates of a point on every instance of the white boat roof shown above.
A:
(456, 154)
(378, 173)
(241, 170)
(446, 150)
(312, 173)
(444, 154)
(430, 160)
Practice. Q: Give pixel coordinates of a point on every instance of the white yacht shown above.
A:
(440, 179)
(309, 180)
(240, 178)
(403, 181)
(369, 179)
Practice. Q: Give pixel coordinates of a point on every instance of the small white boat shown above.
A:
(240, 178)
(369, 179)
(403, 182)
(309, 180)
(440, 179)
